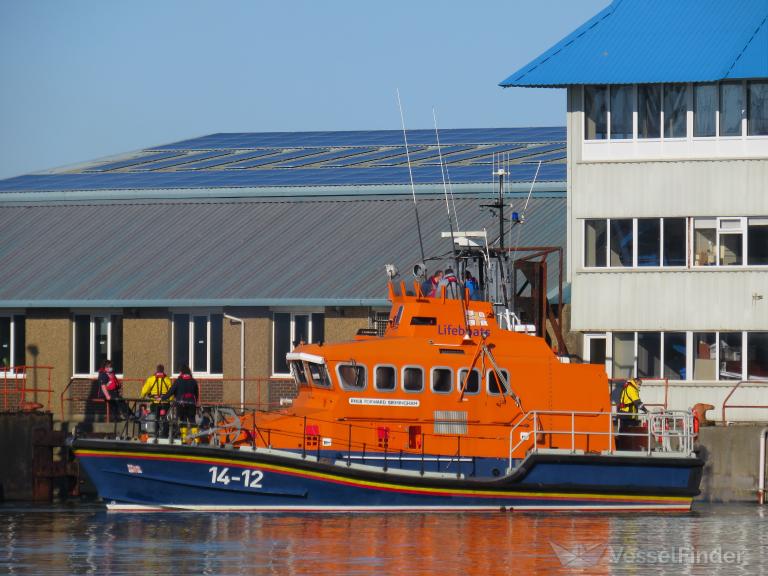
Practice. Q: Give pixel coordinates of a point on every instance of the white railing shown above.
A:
(665, 431)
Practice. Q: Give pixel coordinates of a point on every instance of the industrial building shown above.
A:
(668, 194)
(224, 251)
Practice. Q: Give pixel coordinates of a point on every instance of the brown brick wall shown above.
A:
(49, 343)
(343, 324)
(146, 342)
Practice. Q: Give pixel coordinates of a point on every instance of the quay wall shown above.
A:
(733, 462)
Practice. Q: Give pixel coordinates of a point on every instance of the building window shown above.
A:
(648, 242)
(730, 356)
(757, 104)
(97, 337)
(472, 385)
(675, 354)
(731, 108)
(595, 349)
(704, 110)
(595, 243)
(731, 242)
(291, 329)
(385, 378)
(442, 380)
(704, 356)
(649, 111)
(621, 234)
(12, 342)
(623, 355)
(757, 356)
(649, 354)
(198, 342)
(621, 112)
(595, 112)
(675, 110)
(705, 241)
(757, 242)
(413, 379)
(674, 244)
(352, 376)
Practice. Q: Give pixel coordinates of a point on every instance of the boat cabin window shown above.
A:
(442, 380)
(473, 382)
(352, 376)
(494, 386)
(319, 374)
(413, 379)
(297, 370)
(423, 321)
(385, 378)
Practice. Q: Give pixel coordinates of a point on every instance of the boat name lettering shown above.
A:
(453, 330)
(407, 402)
(248, 478)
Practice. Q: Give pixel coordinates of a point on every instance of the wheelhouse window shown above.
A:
(385, 378)
(596, 112)
(495, 386)
(757, 108)
(290, 329)
(97, 337)
(472, 385)
(413, 379)
(12, 342)
(352, 376)
(198, 342)
(442, 380)
(319, 374)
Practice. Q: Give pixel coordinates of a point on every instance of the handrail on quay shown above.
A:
(14, 387)
(735, 387)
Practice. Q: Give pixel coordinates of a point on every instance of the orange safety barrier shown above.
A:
(256, 392)
(25, 386)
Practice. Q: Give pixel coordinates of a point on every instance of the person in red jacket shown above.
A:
(110, 387)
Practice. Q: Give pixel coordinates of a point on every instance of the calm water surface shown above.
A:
(85, 539)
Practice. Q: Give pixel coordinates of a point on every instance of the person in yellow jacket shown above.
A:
(154, 388)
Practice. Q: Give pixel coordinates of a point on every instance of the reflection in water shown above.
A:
(87, 540)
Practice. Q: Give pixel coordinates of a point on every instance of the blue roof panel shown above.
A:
(652, 41)
(289, 155)
(177, 161)
(133, 161)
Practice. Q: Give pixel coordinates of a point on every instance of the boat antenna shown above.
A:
(521, 219)
(445, 191)
(410, 175)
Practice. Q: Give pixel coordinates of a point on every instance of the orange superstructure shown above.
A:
(444, 378)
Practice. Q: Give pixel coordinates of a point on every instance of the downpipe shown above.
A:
(242, 356)
(761, 474)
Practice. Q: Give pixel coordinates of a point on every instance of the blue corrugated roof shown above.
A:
(652, 41)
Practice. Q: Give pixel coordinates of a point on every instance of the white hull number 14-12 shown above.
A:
(249, 478)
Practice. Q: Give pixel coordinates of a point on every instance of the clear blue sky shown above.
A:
(84, 79)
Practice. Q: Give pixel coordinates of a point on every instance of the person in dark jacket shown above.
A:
(187, 392)
(110, 388)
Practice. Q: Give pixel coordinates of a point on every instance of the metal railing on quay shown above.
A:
(748, 406)
(22, 385)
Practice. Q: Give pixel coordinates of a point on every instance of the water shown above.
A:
(85, 539)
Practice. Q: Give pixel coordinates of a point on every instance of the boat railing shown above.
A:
(668, 432)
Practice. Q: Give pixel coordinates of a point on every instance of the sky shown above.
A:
(87, 79)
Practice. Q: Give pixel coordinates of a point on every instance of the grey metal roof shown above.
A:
(228, 252)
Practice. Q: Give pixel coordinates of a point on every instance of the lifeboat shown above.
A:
(449, 409)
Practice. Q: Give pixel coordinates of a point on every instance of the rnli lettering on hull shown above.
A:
(400, 402)
(451, 330)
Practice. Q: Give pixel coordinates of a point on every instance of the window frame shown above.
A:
(402, 378)
(311, 313)
(356, 365)
(460, 379)
(376, 378)
(488, 381)
(13, 353)
(92, 315)
(449, 371)
(192, 313)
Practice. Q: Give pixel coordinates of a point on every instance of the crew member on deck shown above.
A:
(187, 392)
(629, 404)
(110, 387)
(429, 286)
(451, 285)
(154, 388)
